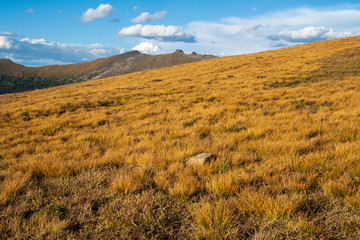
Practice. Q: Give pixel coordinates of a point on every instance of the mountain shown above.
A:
(108, 158)
(17, 78)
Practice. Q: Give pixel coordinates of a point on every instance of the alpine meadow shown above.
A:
(107, 158)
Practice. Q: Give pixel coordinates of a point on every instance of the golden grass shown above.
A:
(106, 158)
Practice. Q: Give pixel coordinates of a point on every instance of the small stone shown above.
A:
(201, 159)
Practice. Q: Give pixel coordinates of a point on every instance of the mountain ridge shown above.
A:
(17, 78)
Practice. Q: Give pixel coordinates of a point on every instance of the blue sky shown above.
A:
(39, 32)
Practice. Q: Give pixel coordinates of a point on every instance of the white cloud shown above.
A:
(35, 52)
(145, 17)
(147, 47)
(30, 10)
(10, 56)
(5, 42)
(272, 30)
(101, 11)
(160, 32)
(35, 41)
(234, 35)
(309, 34)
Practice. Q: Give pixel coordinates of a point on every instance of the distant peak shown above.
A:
(132, 53)
(135, 51)
(6, 60)
(179, 51)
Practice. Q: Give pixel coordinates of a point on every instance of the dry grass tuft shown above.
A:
(13, 185)
(215, 220)
(185, 185)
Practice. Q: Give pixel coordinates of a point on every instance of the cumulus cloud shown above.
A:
(159, 32)
(259, 32)
(145, 17)
(35, 41)
(272, 30)
(6, 39)
(35, 52)
(5, 42)
(308, 34)
(101, 11)
(147, 47)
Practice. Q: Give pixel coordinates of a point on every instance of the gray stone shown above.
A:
(201, 159)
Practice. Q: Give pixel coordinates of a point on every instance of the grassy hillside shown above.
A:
(105, 158)
(18, 78)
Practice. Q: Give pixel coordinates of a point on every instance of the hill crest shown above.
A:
(16, 78)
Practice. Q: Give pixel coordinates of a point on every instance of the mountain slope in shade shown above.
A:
(16, 78)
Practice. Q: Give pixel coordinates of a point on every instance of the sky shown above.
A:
(43, 32)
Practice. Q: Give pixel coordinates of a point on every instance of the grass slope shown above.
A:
(105, 158)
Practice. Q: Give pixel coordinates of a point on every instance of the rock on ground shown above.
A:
(201, 159)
